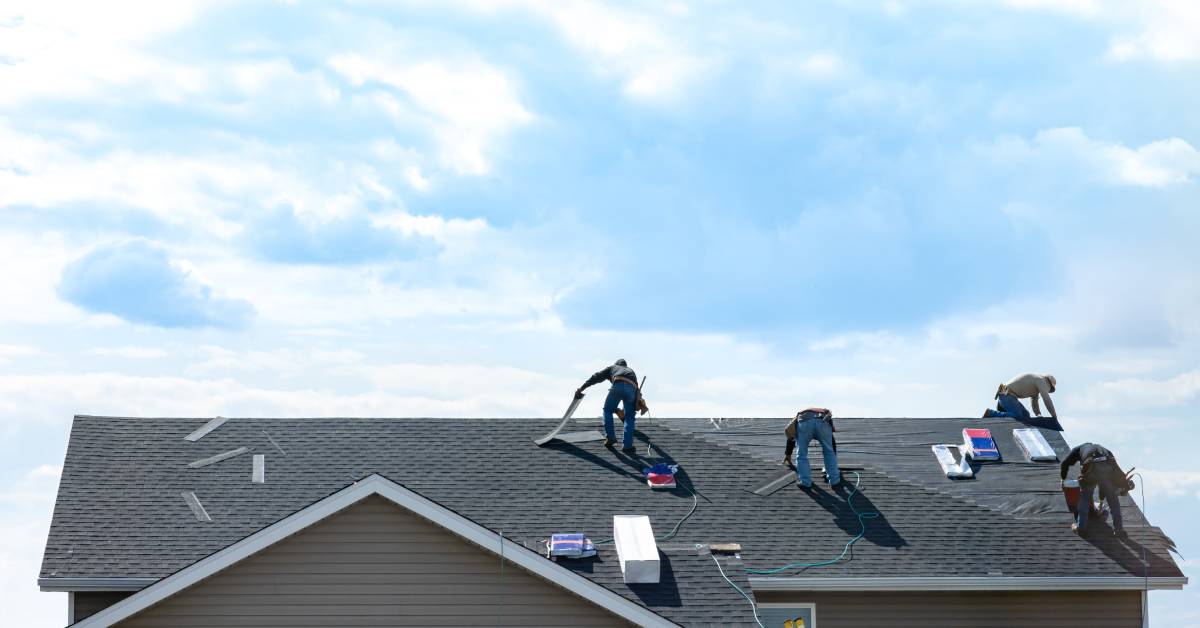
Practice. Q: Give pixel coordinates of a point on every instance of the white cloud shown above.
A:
(1155, 164)
(644, 49)
(1168, 31)
(72, 50)
(1144, 392)
(1081, 7)
(129, 352)
(1171, 483)
(1163, 30)
(470, 104)
(25, 507)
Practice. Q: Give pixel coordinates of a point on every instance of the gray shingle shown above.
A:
(119, 513)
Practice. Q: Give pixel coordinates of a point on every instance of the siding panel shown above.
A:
(88, 603)
(374, 564)
(951, 609)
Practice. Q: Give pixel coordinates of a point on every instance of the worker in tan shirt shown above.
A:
(1024, 386)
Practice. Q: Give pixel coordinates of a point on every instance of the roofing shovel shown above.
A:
(566, 419)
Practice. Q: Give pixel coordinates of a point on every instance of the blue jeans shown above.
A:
(621, 393)
(1007, 405)
(806, 431)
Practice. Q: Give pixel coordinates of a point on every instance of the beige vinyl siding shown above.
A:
(951, 609)
(374, 564)
(88, 603)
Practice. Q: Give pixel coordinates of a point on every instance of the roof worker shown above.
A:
(815, 423)
(624, 390)
(1024, 386)
(1098, 469)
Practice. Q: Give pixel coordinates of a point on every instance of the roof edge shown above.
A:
(987, 583)
(419, 505)
(94, 584)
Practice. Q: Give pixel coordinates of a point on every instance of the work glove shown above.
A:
(579, 393)
(642, 407)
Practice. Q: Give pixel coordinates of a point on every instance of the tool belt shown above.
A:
(624, 381)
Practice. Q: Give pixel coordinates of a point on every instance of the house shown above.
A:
(371, 522)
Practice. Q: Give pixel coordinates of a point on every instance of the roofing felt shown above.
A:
(119, 514)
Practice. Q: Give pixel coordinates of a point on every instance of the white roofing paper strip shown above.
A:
(636, 548)
(1034, 444)
(951, 467)
(204, 462)
(193, 502)
(205, 429)
(259, 474)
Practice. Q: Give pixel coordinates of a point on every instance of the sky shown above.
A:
(463, 208)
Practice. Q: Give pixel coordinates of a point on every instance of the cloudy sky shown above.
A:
(464, 208)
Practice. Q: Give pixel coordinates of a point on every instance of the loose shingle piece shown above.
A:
(226, 455)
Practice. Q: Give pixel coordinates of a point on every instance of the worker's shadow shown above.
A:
(630, 466)
(877, 532)
(1127, 552)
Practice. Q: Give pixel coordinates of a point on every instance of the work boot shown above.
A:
(629, 450)
(608, 442)
(1076, 530)
(1120, 533)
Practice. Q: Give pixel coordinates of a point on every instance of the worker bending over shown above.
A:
(1025, 386)
(1098, 469)
(814, 423)
(625, 391)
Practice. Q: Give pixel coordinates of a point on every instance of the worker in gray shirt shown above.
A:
(1098, 469)
(625, 390)
(1025, 386)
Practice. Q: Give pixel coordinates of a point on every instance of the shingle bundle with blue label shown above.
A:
(979, 444)
(571, 546)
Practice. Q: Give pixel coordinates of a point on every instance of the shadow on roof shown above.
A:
(877, 530)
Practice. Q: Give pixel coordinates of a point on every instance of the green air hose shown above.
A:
(862, 517)
(670, 535)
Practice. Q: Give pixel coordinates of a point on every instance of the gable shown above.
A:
(373, 563)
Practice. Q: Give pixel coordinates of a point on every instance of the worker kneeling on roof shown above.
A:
(1097, 469)
(814, 423)
(1024, 386)
(624, 390)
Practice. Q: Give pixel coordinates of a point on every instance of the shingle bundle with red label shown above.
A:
(661, 475)
(979, 444)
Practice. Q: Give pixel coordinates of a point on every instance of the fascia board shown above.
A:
(989, 583)
(94, 584)
(373, 485)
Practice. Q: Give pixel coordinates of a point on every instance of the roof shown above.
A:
(356, 492)
(119, 512)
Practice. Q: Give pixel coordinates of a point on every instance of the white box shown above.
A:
(1034, 444)
(636, 549)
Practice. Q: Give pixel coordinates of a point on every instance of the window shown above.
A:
(788, 615)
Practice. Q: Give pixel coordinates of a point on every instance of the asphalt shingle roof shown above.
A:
(119, 512)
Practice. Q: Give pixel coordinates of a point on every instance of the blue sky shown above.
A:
(464, 208)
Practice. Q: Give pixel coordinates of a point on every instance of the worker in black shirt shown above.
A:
(624, 390)
(1098, 469)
